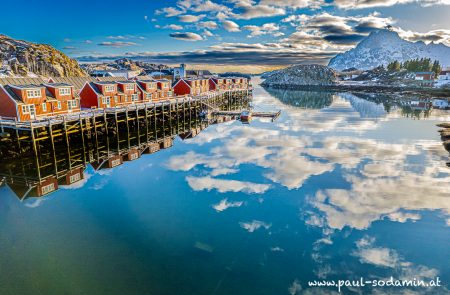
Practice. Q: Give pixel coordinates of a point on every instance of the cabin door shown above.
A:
(32, 112)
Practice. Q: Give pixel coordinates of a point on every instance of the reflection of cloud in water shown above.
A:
(100, 184)
(224, 185)
(377, 256)
(378, 195)
(224, 205)
(254, 225)
(383, 181)
(35, 203)
(78, 184)
(291, 169)
(383, 257)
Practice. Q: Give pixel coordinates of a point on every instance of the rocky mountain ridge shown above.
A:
(124, 64)
(301, 76)
(25, 59)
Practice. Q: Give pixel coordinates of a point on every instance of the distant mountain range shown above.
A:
(124, 64)
(22, 58)
(384, 46)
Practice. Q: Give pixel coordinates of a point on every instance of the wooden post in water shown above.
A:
(50, 127)
(67, 142)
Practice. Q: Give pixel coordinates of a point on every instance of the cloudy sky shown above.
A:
(254, 33)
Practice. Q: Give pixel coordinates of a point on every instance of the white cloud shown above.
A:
(248, 9)
(186, 36)
(230, 26)
(211, 25)
(189, 18)
(118, 44)
(169, 11)
(357, 4)
(269, 28)
(174, 27)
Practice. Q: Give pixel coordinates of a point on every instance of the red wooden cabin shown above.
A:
(191, 86)
(24, 101)
(216, 84)
(148, 89)
(109, 94)
(164, 89)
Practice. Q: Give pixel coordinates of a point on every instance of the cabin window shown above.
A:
(116, 99)
(134, 97)
(129, 87)
(35, 93)
(71, 104)
(149, 96)
(115, 162)
(58, 105)
(44, 107)
(48, 188)
(74, 178)
(106, 100)
(64, 91)
(28, 109)
(110, 88)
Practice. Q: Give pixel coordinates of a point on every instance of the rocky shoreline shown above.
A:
(445, 135)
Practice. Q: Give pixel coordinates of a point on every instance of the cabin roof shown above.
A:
(105, 82)
(111, 79)
(77, 82)
(8, 88)
(21, 81)
(25, 86)
(141, 88)
(147, 80)
(55, 85)
(126, 82)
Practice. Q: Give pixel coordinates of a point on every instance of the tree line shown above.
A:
(416, 65)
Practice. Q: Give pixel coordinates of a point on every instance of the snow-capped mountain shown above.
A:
(384, 46)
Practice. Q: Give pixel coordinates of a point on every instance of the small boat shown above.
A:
(246, 117)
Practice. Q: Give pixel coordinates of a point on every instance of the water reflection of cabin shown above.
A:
(28, 188)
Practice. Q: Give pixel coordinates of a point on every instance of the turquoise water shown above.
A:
(336, 188)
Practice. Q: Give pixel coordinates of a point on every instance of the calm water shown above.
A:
(339, 187)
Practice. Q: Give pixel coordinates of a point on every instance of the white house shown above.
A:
(442, 104)
(444, 75)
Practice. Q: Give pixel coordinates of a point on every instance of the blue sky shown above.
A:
(233, 32)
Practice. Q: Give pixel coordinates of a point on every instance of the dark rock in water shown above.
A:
(445, 133)
(443, 125)
(301, 76)
(447, 145)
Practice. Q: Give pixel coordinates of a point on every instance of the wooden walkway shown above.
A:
(272, 115)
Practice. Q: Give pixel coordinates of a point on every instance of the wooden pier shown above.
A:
(43, 154)
(272, 115)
